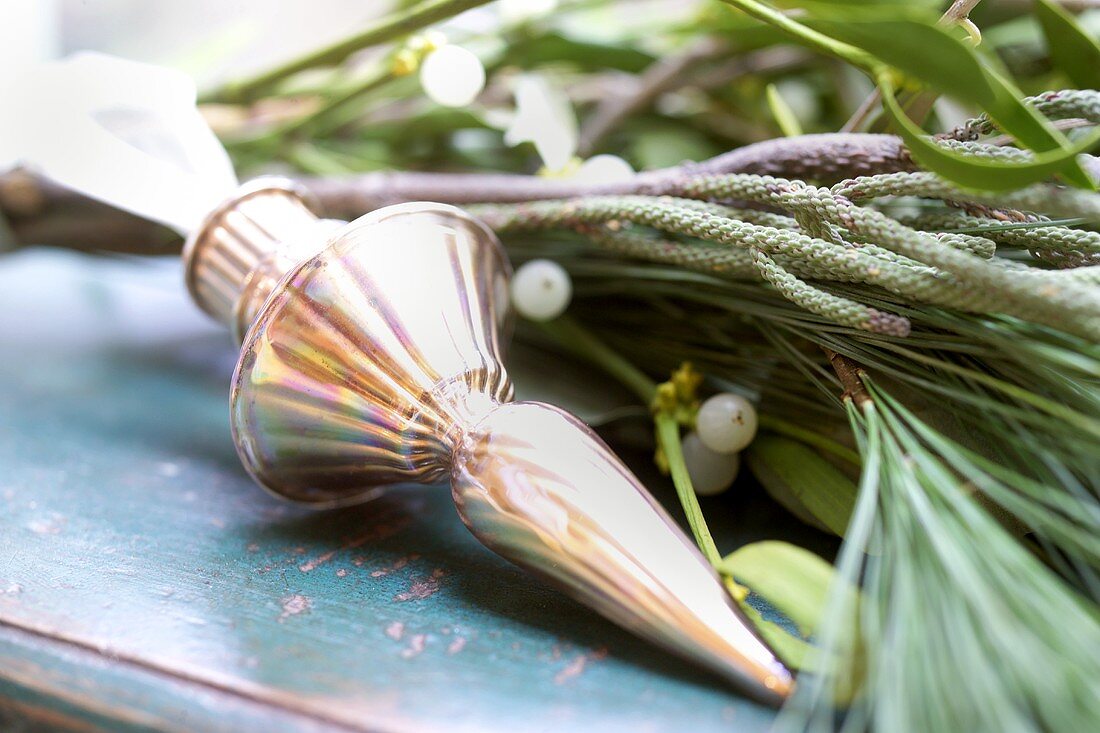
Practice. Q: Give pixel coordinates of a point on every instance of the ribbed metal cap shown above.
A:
(245, 246)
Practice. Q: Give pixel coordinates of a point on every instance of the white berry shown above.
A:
(711, 473)
(541, 290)
(726, 423)
(452, 76)
(519, 11)
(604, 169)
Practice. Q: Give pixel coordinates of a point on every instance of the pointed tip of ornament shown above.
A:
(535, 485)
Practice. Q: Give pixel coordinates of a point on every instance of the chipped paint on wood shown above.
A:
(422, 588)
(398, 564)
(417, 642)
(294, 605)
(577, 666)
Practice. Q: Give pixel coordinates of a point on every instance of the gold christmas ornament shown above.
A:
(372, 356)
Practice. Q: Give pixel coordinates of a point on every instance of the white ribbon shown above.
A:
(123, 132)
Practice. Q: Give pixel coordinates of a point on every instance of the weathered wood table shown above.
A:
(146, 583)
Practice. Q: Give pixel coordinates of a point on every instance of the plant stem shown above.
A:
(866, 109)
(668, 436)
(320, 122)
(580, 341)
(576, 338)
(959, 11)
(807, 35)
(389, 28)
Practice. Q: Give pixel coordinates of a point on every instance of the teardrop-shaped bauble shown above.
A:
(535, 485)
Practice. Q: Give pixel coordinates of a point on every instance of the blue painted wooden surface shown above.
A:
(146, 583)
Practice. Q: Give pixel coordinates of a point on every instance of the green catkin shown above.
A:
(1057, 246)
(1053, 302)
(1061, 105)
(832, 239)
(834, 307)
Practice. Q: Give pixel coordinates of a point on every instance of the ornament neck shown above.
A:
(234, 260)
(461, 403)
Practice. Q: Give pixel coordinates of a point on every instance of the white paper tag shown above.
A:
(123, 132)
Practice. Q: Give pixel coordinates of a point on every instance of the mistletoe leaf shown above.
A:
(790, 470)
(1073, 50)
(982, 173)
(913, 44)
(928, 52)
(794, 580)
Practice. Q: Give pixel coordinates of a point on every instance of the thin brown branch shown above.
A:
(764, 61)
(863, 113)
(827, 157)
(665, 74)
(959, 10)
(46, 214)
(41, 213)
(850, 375)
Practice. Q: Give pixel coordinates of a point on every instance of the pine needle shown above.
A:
(962, 627)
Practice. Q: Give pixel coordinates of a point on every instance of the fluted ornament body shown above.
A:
(377, 359)
(361, 367)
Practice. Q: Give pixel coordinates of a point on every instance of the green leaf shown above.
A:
(784, 115)
(803, 33)
(981, 173)
(794, 580)
(786, 466)
(916, 46)
(1030, 128)
(917, 103)
(1072, 49)
(910, 40)
(926, 51)
(797, 583)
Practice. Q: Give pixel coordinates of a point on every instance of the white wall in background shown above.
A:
(28, 32)
(210, 39)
